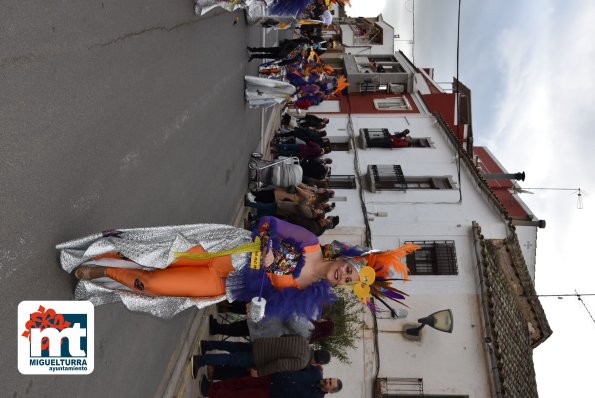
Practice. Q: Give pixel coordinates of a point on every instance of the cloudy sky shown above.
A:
(529, 65)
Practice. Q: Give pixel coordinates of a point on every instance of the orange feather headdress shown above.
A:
(377, 270)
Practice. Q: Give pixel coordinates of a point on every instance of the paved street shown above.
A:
(114, 115)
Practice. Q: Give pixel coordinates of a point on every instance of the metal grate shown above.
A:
(396, 387)
(389, 177)
(377, 138)
(434, 258)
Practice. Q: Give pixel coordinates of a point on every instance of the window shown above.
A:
(421, 142)
(391, 177)
(371, 86)
(392, 104)
(339, 146)
(434, 258)
(342, 182)
(381, 138)
(366, 32)
(388, 177)
(398, 387)
(340, 143)
(382, 58)
(388, 62)
(429, 183)
(376, 138)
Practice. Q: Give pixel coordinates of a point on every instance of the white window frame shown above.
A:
(392, 104)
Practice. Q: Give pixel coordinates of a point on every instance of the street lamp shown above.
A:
(441, 320)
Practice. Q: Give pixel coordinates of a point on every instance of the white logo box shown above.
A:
(77, 358)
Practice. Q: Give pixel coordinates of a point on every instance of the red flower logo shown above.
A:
(43, 319)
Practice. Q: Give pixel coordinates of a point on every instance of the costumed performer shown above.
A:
(266, 92)
(254, 8)
(164, 270)
(140, 268)
(201, 7)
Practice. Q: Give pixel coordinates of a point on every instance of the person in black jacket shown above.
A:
(304, 383)
(316, 168)
(313, 121)
(285, 47)
(304, 134)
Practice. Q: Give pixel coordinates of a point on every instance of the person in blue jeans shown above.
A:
(266, 356)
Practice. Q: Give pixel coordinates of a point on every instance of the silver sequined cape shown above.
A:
(255, 9)
(151, 248)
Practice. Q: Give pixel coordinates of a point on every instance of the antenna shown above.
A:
(578, 191)
(575, 294)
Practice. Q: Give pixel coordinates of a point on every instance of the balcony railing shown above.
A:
(389, 178)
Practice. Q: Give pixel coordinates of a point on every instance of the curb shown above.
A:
(180, 382)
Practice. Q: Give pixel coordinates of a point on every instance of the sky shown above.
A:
(529, 65)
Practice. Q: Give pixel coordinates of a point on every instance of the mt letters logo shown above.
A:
(56, 337)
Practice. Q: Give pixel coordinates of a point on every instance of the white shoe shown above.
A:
(250, 196)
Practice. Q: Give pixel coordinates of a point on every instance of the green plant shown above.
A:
(347, 315)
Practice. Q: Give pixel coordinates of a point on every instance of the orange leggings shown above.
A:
(182, 278)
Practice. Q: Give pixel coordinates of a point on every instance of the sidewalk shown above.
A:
(180, 383)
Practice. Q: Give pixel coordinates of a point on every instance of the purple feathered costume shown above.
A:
(288, 243)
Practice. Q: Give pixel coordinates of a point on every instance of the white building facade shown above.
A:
(431, 194)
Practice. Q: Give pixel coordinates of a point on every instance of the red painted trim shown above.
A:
(500, 187)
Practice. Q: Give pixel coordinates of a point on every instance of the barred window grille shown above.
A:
(434, 258)
(389, 177)
(342, 182)
(396, 387)
(377, 138)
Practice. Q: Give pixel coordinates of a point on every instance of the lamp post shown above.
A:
(440, 320)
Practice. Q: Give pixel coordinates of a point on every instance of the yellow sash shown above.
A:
(252, 247)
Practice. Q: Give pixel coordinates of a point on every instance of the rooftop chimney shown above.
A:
(528, 223)
(505, 176)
